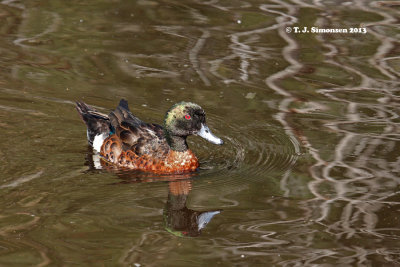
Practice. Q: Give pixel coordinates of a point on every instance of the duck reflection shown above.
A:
(179, 220)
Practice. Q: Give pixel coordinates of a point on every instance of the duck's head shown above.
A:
(185, 119)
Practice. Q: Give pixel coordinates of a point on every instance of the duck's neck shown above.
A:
(176, 143)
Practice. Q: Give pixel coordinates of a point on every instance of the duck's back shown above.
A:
(135, 135)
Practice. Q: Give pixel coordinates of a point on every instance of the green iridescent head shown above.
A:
(184, 119)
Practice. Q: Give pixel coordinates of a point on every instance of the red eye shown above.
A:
(187, 116)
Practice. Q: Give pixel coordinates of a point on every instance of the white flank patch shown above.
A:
(98, 141)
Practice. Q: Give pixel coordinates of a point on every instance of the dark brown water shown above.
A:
(308, 175)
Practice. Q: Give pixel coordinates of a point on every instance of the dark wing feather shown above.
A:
(151, 142)
(136, 135)
(123, 114)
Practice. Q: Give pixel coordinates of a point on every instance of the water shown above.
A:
(309, 171)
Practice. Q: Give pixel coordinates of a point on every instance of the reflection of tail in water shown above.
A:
(178, 219)
(93, 160)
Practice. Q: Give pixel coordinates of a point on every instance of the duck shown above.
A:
(124, 141)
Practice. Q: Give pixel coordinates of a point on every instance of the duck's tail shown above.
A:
(98, 124)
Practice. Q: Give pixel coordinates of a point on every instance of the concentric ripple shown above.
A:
(252, 150)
